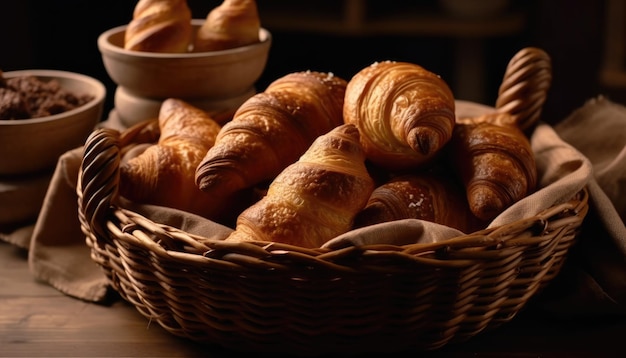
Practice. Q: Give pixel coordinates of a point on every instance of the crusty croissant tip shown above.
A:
(487, 202)
(423, 140)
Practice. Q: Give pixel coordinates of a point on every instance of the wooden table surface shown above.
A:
(36, 320)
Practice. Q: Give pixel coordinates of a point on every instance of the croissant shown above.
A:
(232, 24)
(314, 199)
(271, 130)
(495, 162)
(405, 113)
(163, 174)
(159, 26)
(429, 196)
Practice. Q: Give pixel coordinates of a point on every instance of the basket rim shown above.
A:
(130, 227)
(105, 147)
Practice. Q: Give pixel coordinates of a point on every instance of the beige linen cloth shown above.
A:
(59, 256)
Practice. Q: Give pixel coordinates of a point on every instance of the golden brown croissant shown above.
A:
(405, 113)
(271, 130)
(495, 162)
(232, 24)
(159, 26)
(314, 199)
(164, 173)
(429, 196)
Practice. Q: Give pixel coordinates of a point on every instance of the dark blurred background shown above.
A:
(343, 36)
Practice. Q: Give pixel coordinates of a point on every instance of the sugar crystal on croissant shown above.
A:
(433, 196)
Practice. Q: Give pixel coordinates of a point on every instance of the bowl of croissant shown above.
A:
(163, 52)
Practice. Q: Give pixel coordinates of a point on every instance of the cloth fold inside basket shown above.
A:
(593, 282)
(58, 254)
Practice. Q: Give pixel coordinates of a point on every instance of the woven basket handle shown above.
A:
(98, 180)
(525, 86)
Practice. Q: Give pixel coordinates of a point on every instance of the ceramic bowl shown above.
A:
(214, 74)
(34, 145)
(132, 109)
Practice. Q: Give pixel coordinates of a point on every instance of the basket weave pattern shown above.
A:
(269, 297)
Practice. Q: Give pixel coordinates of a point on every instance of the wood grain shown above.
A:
(36, 320)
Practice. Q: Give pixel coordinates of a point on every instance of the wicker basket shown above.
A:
(279, 298)
(270, 297)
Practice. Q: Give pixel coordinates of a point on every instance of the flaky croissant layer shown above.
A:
(159, 26)
(495, 161)
(232, 24)
(164, 173)
(271, 130)
(314, 199)
(404, 112)
(433, 196)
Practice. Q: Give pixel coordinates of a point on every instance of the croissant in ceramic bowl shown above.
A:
(159, 26)
(232, 24)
